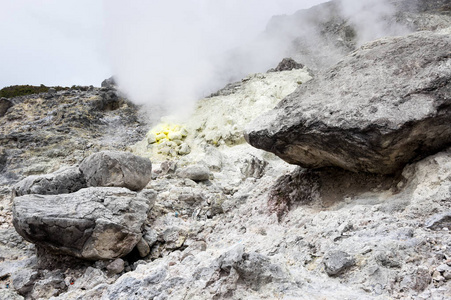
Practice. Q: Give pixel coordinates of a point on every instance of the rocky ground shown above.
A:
(221, 219)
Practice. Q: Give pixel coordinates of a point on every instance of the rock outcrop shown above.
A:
(63, 181)
(117, 169)
(40, 135)
(93, 223)
(383, 106)
(287, 64)
(109, 82)
(258, 228)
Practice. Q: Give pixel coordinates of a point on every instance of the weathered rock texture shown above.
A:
(117, 169)
(41, 134)
(93, 223)
(66, 180)
(383, 106)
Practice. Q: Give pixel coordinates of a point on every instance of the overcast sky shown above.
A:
(67, 42)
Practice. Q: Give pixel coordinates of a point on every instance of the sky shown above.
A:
(82, 42)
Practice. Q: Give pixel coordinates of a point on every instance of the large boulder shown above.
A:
(63, 181)
(93, 223)
(383, 106)
(117, 169)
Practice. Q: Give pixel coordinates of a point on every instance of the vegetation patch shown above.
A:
(23, 90)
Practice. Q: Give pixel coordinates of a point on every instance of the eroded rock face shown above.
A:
(383, 106)
(93, 223)
(117, 169)
(63, 181)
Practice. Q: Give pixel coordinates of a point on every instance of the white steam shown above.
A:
(173, 52)
(372, 18)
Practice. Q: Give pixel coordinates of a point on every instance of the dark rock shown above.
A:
(118, 169)
(5, 104)
(109, 83)
(287, 64)
(63, 181)
(299, 187)
(93, 223)
(392, 112)
(109, 101)
(336, 262)
(3, 159)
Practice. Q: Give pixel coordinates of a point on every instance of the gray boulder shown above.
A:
(117, 169)
(194, 172)
(93, 223)
(63, 181)
(383, 106)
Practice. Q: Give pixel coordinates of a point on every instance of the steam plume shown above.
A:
(171, 52)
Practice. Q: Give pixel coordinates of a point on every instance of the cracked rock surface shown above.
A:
(117, 169)
(383, 106)
(93, 223)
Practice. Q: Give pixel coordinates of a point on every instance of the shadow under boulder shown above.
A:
(325, 187)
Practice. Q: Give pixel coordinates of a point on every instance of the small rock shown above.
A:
(116, 266)
(194, 172)
(168, 167)
(23, 280)
(143, 248)
(436, 276)
(422, 279)
(336, 262)
(150, 236)
(184, 149)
